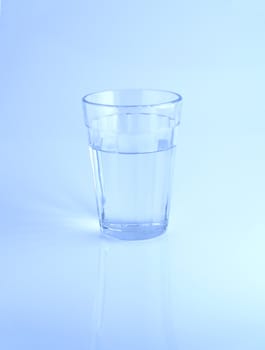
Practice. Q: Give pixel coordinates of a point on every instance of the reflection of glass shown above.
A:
(132, 303)
(132, 140)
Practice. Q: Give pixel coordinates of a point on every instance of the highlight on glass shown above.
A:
(132, 137)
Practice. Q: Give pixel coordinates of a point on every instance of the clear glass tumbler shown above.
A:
(132, 140)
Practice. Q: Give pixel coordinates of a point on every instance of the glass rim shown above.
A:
(175, 98)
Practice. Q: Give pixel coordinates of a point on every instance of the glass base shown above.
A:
(132, 232)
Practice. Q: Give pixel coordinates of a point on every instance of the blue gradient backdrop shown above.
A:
(200, 287)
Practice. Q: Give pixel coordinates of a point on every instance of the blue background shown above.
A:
(200, 287)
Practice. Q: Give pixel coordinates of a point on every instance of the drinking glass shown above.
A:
(132, 138)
